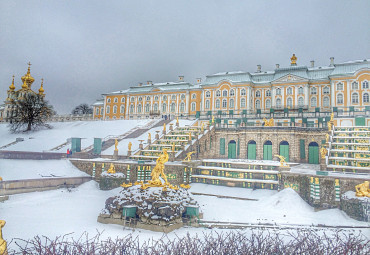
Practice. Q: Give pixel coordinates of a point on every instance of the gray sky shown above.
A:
(88, 47)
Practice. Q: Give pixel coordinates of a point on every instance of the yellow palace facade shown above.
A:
(339, 86)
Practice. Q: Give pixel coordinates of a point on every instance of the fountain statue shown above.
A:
(115, 145)
(282, 161)
(362, 189)
(3, 248)
(112, 169)
(323, 152)
(188, 156)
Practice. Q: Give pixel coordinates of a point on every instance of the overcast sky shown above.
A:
(88, 47)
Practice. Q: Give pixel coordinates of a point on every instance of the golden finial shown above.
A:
(27, 79)
(41, 90)
(293, 60)
(12, 87)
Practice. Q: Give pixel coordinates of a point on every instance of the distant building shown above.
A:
(7, 110)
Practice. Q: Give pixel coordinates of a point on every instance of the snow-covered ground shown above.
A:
(11, 169)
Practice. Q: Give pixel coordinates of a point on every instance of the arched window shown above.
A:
(132, 109)
(155, 107)
(97, 111)
(139, 108)
(218, 93)
(183, 97)
(164, 107)
(164, 98)
(339, 86)
(232, 92)
(289, 102)
(365, 98)
(355, 85)
(355, 98)
(326, 102)
(268, 93)
(278, 91)
(242, 103)
(182, 107)
(208, 94)
(156, 98)
(173, 107)
(365, 84)
(326, 90)
(289, 91)
(108, 109)
(218, 103)
(122, 109)
(258, 93)
(173, 97)
(231, 103)
(268, 103)
(278, 103)
(300, 91)
(313, 102)
(258, 104)
(122, 100)
(108, 100)
(243, 92)
(148, 98)
(140, 99)
(132, 99)
(207, 104)
(193, 106)
(101, 111)
(224, 103)
(147, 108)
(194, 96)
(340, 99)
(224, 93)
(313, 91)
(115, 100)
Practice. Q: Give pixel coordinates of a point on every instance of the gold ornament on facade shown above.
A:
(293, 60)
(41, 90)
(283, 163)
(3, 245)
(323, 152)
(1, 179)
(363, 189)
(112, 169)
(12, 87)
(268, 123)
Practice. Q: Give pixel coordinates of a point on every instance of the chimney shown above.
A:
(258, 68)
(181, 78)
(149, 83)
(140, 84)
(199, 80)
(332, 61)
(277, 66)
(312, 63)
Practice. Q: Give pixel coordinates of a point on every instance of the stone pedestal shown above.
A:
(177, 124)
(141, 146)
(172, 157)
(156, 136)
(171, 127)
(149, 141)
(284, 169)
(115, 154)
(129, 153)
(164, 132)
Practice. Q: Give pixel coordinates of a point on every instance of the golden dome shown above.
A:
(41, 90)
(12, 87)
(27, 78)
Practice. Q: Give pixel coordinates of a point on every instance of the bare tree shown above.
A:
(82, 109)
(29, 113)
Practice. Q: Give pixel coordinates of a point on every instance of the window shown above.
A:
(122, 100)
(147, 107)
(208, 94)
(268, 103)
(155, 107)
(365, 98)
(156, 98)
(326, 102)
(340, 99)
(354, 98)
(258, 93)
(194, 96)
(365, 84)
(289, 102)
(218, 93)
(173, 97)
(183, 97)
(258, 104)
(164, 98)
(313, 91)
(224, 93)
(132, 99)
(231, 103)
(278, 103)
(164, 107)
(243, 92)
(173, 107)
(218, 103)
(108, 100)
(182, 106)
(224, 103)
(355, 85)
(193, 107)
(326, 90)
(148, 98)
(101, 111)
(115, 100)
(232, 92)
(122, 109)
(108, 109)
(139, 108)
(132, 109)
(313, 102)
(268, 93)
(97, 111)
(289, 91)
(340, 86)
(207, 104)
(140, 99)
(242, 103)
(278, 91)
(300, 91)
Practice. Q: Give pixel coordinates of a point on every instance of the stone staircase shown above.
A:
(349, 150)
(237, 174)
(60, 146)
(12, 143)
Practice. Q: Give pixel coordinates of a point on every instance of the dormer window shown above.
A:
(232, 92)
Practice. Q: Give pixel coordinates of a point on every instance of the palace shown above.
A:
(7, 110)
(339, 87)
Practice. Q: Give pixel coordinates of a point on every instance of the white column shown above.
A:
(187, 105)
(104, 107)
(332, 92)
(273, 95)
(319, 103)
(306, 95)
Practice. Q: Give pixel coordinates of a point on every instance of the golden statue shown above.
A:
(327, 138)
(268, 123)
(362, 189)
(124, 185)
(293, 60)
(202, 128)
(129, 146)
(187, 186)
(190, 136)
(164, 127)
(3, 248)
(149, 136)
(115, 145)
(177, 121)
(282, 161)
(329, 125)
(332, 116)
(188, 156)
(112, 169)
(173, 147)
(158, 170)
(213, 119)
(323, 152)
(1, 179)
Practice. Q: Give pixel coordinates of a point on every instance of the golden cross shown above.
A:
(29, 64)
